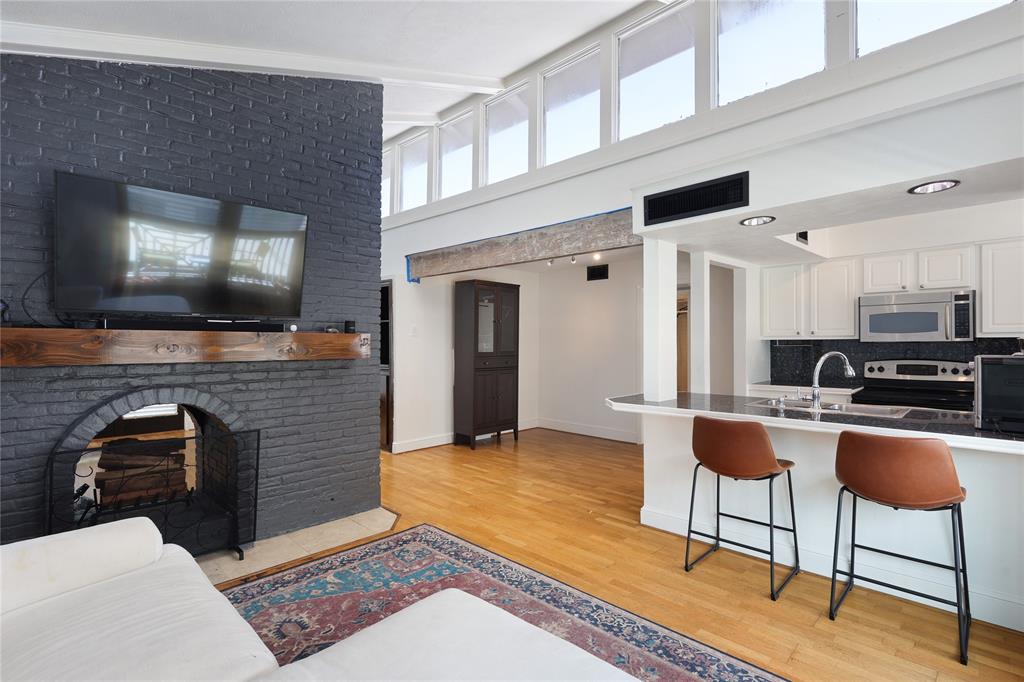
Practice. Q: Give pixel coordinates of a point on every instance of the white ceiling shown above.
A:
(723, 234)
(491, 38)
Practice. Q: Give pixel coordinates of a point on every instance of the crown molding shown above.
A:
(55, 41)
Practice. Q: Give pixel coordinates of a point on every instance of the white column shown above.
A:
(535, 117)
(705, 55)
(840, 32)
(609, 88)
(700, 322)
(659, 319)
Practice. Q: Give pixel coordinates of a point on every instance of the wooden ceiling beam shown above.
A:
(601, 232)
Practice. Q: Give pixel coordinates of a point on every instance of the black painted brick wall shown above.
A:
(298, 144)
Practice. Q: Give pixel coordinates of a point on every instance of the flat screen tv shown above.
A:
(125, 250)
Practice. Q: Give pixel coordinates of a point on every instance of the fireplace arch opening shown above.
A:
(191, 470)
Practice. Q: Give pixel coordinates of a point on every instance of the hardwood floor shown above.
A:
(569, 506)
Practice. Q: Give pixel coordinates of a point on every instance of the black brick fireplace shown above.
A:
(311, 146)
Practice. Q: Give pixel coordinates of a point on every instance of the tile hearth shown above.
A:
(224, 565)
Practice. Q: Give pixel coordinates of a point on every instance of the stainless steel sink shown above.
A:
(886, 411)
(891, 411)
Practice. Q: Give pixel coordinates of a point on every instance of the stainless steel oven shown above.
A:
(999, 392)
(931, 316)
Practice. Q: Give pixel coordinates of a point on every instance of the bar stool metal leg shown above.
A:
(792, 517)
(959, 569)
(963, 564)
(959, 572)
(771, 539)
(834, 603)
(718, 521)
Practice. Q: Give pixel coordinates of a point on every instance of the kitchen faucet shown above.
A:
(815, 389)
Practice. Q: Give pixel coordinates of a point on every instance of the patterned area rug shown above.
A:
(302, 610)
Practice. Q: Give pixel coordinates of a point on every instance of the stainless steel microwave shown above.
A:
(930, 316)
(999, 393)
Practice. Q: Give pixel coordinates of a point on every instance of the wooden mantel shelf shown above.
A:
(44, 347)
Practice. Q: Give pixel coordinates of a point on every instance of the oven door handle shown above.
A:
(948, 308)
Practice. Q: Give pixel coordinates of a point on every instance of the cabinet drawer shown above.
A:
(495, 363)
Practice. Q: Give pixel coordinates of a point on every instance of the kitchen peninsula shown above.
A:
(990, 466)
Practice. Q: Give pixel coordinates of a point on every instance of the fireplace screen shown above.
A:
(200, 489)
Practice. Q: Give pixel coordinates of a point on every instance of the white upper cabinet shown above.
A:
(888, 273)
(1001, 290)
(816, 301)
(945, 268)
(833, 299)
(782, 302)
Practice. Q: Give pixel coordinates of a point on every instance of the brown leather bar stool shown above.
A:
(740, 450)
(902, 473)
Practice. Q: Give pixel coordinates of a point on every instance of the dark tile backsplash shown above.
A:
(793, 361)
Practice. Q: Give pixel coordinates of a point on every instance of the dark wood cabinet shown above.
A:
(486, 389)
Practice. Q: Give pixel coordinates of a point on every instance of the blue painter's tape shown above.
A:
(408, 271)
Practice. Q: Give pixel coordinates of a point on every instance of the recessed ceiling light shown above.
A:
(758, 220)
(572, 260)
(933, 187)
(597, 256)
(551, 261)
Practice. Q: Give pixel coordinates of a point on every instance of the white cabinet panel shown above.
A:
(833, 299)
(1001, 292)
(782, 302)
(891, 272)
(944, 268)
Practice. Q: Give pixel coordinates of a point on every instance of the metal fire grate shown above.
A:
(201, 491)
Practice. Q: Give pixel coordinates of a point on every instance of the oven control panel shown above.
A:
(919, 370)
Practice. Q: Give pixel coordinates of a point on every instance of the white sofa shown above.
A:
(113, 602)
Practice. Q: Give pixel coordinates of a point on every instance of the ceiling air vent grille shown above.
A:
(704, 197)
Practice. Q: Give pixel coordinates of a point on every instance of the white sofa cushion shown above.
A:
(160, 622)
(451, 635)
(36, 569)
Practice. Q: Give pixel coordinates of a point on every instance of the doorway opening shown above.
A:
(683, 340)
(720, 321)
(387, 397)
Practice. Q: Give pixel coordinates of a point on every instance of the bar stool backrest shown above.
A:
(910, 473)
(737, 449)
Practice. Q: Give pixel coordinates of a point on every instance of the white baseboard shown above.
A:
(445, 439)
(589, 430)
(420, 443)
(993, 608)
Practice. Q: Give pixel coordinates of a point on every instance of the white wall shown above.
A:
(422, 355)
(590, 349)
(972, 224)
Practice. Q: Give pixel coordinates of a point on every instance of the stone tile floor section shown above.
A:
(224, 565)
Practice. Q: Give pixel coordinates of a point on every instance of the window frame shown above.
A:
(635, 27)
(400, 148)
(387, 160)
(485, 148)
(469, 113)
(716, 51)
(542, 79)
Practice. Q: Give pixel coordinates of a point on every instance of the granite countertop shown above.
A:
(920, 421)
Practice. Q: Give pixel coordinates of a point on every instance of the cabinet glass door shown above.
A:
(486, 319)
(508, 323)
